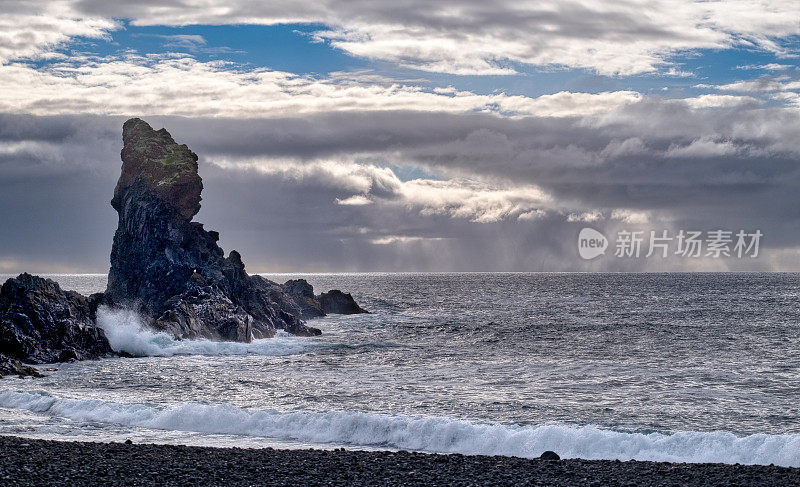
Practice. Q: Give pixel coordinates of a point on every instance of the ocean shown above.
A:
(664, 367)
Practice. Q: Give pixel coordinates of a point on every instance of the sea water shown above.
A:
(668, 367)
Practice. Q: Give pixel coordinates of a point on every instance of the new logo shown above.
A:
(591, 243)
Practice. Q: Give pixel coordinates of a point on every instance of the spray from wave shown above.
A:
(433, 434)
(126, 332)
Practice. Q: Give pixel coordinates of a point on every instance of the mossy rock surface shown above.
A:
(168, 168)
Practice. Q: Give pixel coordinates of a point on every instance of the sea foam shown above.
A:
(126, 332)
(431, 434)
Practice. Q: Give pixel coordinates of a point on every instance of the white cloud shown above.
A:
(404, 239)
(470, 200)
(717, 101)
(588, 216)
(678, 73)
(608, 37)
(757, 85)
(355, 200)
(30, 29)
(766, 67)
(532, 215)
(183, 41)
(703, 147)
(630, 216)
(169, 85)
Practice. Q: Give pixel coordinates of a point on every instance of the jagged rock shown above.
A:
(303, 295)
(41, 323)
(9, 366)
(335, 301)
(162, 264)
(172, 270)
(188, 314)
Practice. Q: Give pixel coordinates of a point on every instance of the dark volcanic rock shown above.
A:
(162, 264)
(40, 323)
(10, 366)
(335, 301)
(303, 295)
(172, 270)
(550, 455)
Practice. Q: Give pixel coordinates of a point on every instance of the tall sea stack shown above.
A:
(172, 270)
(163, 265)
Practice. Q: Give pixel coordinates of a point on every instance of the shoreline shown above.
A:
(46, 462)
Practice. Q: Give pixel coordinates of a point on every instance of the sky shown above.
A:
(340, 136)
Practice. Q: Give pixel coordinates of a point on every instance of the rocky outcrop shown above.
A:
(12, 366)
(172, 270)
(41, 323)
(335, 301)
(164, 265)
(302, 293)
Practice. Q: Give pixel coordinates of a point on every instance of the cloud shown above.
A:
(474, 201)
(184, 41)
(588, 217)
(628, 216)
(273, 186)
(610, 38)
(766, 67)
(394, 239)
(169, 85)
(757, 85)
(360, 171)
(703, 147)
(718, 101)
(31, 29)
(355, 200)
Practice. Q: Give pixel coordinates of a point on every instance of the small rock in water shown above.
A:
(550, 455)
(128, 442)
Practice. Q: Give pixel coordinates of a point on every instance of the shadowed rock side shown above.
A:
(172, 270)
(41, 323)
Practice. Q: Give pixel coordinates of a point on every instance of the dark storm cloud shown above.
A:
(57, 176)
(653, 155)
(732, 168)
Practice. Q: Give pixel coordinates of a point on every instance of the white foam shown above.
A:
(434, 434)
(126, 332)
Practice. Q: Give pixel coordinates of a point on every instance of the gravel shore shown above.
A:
(39, 462)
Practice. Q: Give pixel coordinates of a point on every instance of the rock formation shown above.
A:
(41, 323)
(172, 270)
(337, 302)
(164, 265)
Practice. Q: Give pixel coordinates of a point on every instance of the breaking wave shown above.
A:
(126, 332)
(433, 434)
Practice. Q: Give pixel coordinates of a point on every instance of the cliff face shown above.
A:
(172, 270)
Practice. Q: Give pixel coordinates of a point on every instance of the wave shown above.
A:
(126, 332)
(432, 434)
